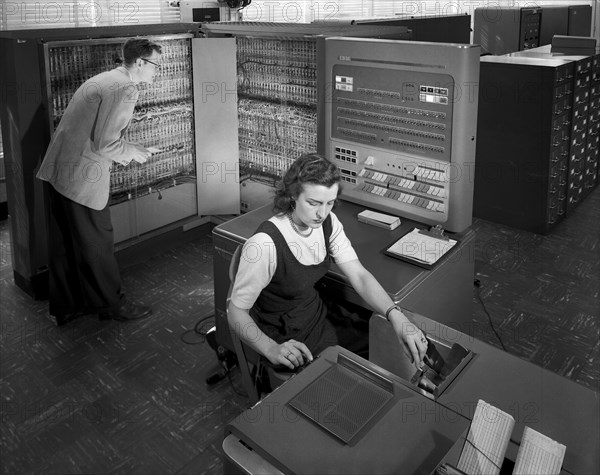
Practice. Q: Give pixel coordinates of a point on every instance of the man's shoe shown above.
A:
(126, 311)
(62, 319)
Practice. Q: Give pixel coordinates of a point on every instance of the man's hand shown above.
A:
(140, 154)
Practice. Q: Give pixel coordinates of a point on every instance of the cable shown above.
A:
(477, 284)
(198, 329)
(227, 361)
(203, 327)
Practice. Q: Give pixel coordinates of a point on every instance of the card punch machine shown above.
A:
(345, 411)
(443, 363)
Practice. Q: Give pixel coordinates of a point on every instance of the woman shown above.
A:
(274, 305)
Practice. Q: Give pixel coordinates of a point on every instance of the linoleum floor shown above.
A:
(98, 397)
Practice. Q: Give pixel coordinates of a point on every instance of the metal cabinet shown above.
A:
(182, 115)
(525, 137)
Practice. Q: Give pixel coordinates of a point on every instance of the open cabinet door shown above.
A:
(216, 119)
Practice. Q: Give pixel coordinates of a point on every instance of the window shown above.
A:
(40, 14)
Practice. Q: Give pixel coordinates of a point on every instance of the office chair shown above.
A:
(250, 362)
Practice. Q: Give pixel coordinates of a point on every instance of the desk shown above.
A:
(551, 404)
(444, 293)
(401, 440)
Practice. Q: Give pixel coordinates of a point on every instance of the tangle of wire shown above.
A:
(202, 327)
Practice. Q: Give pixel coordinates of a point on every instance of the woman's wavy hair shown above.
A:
(309, 168)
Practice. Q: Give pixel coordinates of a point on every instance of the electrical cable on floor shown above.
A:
(477, 284)
(200, 328)
(203, 327)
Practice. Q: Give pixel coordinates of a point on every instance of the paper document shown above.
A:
(421, 247)
(538, 454)
(487, 440)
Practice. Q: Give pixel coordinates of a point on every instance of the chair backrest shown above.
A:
(233, 267)
(246, 356)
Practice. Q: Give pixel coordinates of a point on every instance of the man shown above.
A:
(84, 275)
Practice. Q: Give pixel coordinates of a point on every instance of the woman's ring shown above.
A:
(288, 355)
(423, 340)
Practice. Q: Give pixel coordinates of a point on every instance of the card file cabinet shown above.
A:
(592, 167)
(579, 131)
(583, 158)
(524, 141)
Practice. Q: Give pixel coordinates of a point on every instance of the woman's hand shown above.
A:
(291, 354)
(412, 339)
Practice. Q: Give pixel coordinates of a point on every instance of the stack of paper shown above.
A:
(538, 454)
(421, 248)
(379, 219)
(487, 441)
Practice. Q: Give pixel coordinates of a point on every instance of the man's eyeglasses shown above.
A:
(151, 62)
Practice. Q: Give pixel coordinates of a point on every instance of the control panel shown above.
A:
(402, 128)
(531, 22)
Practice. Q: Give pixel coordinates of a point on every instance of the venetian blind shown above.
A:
(40, 14)
(306, 11)
(37, 14)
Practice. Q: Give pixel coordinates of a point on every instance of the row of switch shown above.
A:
(395, 119)
(404, 197)
(392, 108)
(417, 145)
(357, 134)
(392, 129)
(429, 174)
(346, 151)
(402, 182)
(345, 158)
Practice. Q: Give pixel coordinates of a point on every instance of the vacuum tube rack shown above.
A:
(277, 104)
(163, 117)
